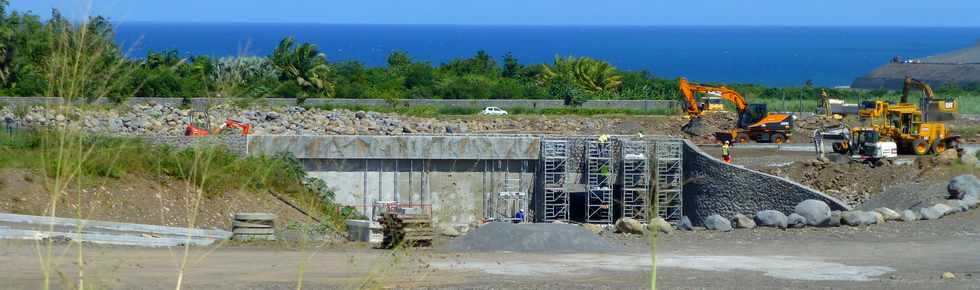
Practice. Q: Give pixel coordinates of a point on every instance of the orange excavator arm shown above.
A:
(909, 83)
(688, 89)
(235, 124)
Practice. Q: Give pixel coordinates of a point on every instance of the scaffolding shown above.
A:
(503, 206)
(635, 176)
(598, 156)
(669, 180)
(555, 169)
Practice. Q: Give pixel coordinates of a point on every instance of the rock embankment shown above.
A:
(165, 119)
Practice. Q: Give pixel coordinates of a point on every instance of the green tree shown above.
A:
(480, 64)
(304, 69)
(399, 59)
(585, 73)
(512, 67)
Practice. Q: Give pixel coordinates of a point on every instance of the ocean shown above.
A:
(774, 56)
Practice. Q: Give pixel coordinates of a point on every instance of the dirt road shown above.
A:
(889, 256)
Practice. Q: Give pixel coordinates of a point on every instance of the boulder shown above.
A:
(685, 224)
(659, 225)
(816, 212)
(717, 223)
(835, 218)
(949, 155)
(909, 215)
(963, 185)
(858, 218)
(968, 160)
(879, 218)
(743, 222)
(971, 201)
(945, 209)
(629, 226)
(956, 206)
(889, 214)
(771, 218)
(594, 228)
(931, 213)
(796, 221)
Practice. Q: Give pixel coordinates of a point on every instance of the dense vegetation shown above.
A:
(300, 70)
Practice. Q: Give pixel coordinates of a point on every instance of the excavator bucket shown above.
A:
(694, 127)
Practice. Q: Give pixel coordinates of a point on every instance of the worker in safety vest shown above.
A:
(603, 138)
(726, 152)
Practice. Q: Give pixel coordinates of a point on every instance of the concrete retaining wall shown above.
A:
(423, 147)
(453, 173)
(503, 103)
(454, 188)
(712, 186)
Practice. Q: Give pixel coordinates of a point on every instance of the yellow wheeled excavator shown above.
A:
(915, 130)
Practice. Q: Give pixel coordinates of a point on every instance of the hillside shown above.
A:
(960, 56)
(960, 66)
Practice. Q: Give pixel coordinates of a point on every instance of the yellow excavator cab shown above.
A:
(714, 104)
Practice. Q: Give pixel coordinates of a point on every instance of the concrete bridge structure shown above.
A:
(465, 178)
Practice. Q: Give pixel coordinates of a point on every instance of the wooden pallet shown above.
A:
(407, 230)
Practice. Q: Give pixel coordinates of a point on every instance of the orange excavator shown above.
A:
(754, 123)
(198, 130)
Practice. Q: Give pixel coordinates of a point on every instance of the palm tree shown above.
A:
(305, 65)
(587, 74)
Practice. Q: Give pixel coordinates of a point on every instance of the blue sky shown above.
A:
(530, 12)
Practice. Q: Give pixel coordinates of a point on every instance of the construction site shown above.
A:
(727, 191)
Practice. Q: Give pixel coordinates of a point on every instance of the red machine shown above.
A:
(196, 130)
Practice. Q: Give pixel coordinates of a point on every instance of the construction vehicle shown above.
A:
(836, 108)
(903, 123)
(754, 122)
(713, 103)
(197, 129)
(910, 127)
(862, 144)
(933, 109)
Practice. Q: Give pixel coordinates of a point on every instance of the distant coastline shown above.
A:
(769, 55)
(960, 67)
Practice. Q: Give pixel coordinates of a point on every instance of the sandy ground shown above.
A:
(888, 256)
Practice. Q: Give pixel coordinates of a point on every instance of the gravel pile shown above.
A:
(538, 238)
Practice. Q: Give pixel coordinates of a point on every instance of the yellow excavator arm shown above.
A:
(934, 109)
(688, 89)
(909, 83)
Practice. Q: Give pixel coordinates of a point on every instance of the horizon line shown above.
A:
(534, 25)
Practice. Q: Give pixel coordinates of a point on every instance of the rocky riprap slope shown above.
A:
(163, 119)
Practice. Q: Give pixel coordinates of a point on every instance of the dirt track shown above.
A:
(890, 256)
